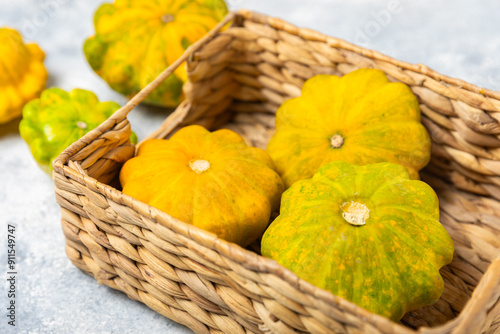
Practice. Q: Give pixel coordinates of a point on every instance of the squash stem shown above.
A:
(199, 166)
(337, 141)
(81, 125)
(355, 213)
(167, 18)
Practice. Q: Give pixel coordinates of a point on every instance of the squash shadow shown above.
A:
(11, 127)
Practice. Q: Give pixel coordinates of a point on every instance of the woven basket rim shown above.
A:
(232, 251)
(310, 34)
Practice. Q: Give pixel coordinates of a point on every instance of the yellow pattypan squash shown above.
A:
(360, 118)
(22, 74)
(211, 180)
(136, 40)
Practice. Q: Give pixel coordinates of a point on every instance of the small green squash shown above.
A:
(361, 118)
(58, 118)
(368, 234)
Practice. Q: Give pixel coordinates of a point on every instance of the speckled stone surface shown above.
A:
(457, 38)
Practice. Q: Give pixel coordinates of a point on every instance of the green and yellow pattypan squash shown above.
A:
(22, 73)
(361, 118)
(58, 118)
(368, 234)
(135, 41)
(211, 180)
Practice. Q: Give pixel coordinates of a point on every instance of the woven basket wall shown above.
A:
(238, 78)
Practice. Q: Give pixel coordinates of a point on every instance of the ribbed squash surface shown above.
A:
(58, 118)
(361, 118)
(211, 180)
(368, 234)
(22, 73)
(136, 40)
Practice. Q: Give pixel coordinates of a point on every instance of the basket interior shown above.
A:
(461, 214)
(258, 67)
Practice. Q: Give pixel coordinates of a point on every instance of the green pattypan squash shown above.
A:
(368, 234)
(58, 118)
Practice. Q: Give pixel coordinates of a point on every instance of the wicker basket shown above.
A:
(238, 78)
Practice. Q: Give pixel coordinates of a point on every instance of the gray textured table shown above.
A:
(457, 38)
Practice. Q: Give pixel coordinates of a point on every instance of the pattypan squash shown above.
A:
(368, 234)
(211, 180)
(135, 41)
(22, 73)
(58, 118)
(361, 118)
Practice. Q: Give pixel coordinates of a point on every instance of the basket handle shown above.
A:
(139, 97)
(119, 115)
